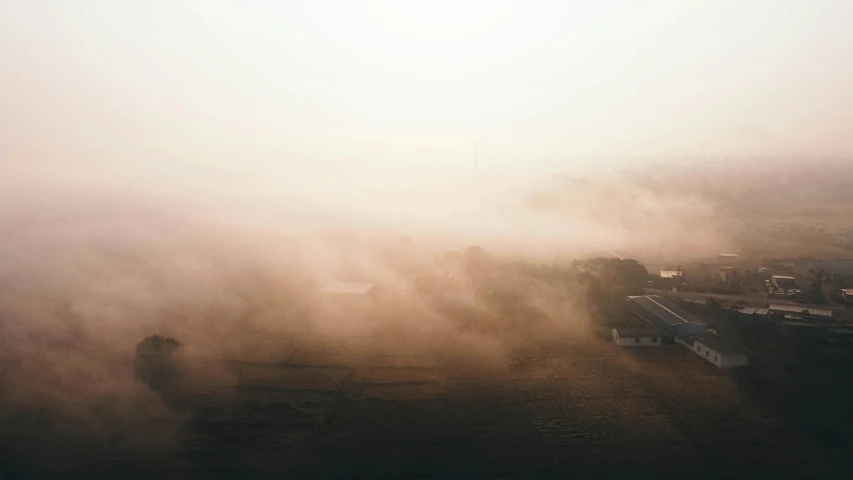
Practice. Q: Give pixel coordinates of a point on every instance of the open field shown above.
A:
(586, 407)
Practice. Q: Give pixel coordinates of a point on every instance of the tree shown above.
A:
(627, 274)
(816, 292)
(155, 361)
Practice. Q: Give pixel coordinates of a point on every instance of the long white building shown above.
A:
(715, 351)
(636, 337)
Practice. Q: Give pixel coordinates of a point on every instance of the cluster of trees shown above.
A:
(608, 281)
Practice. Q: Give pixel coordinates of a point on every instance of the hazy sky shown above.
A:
(279, 89)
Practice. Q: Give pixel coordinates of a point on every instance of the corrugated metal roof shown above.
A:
(761, 311)
(822, 312)
(748, 310)
(663, 310)
(348, 288)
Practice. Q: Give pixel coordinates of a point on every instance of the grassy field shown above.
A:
(586, 407)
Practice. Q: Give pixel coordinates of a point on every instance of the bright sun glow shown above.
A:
(442, 13)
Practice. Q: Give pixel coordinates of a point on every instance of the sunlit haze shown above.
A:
(426, 239)
(368, 89)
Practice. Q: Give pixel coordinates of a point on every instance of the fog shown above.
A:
(202, 171)
(89, 268)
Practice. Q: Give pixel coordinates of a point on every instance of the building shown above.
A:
(715, 351)
(637, 337)
(673, 274)
(800, 310)
(727, 258)
(665, 316)
(846, 295)
(727, 274)
(693, 303)
(654, 268)
(797, 328)
(670, 278)
(781, 281)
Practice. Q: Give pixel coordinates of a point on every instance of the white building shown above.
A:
(799, 310)
(636, 337)
(727, 258)
(715, 351)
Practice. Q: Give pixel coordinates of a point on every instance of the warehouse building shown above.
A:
(799, 310)
(637, 337)
(797, 328)
(715, 351)
(727, 258)
(665, 316)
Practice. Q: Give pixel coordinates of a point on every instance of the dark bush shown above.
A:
(155, 362)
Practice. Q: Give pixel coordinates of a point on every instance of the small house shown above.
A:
(727, 258)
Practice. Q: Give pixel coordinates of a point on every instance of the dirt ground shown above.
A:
(580, 408)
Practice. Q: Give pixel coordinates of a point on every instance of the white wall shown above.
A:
(727, 360)
(635, 341)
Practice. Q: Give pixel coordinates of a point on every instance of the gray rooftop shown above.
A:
(779, 307)
(663, 309)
